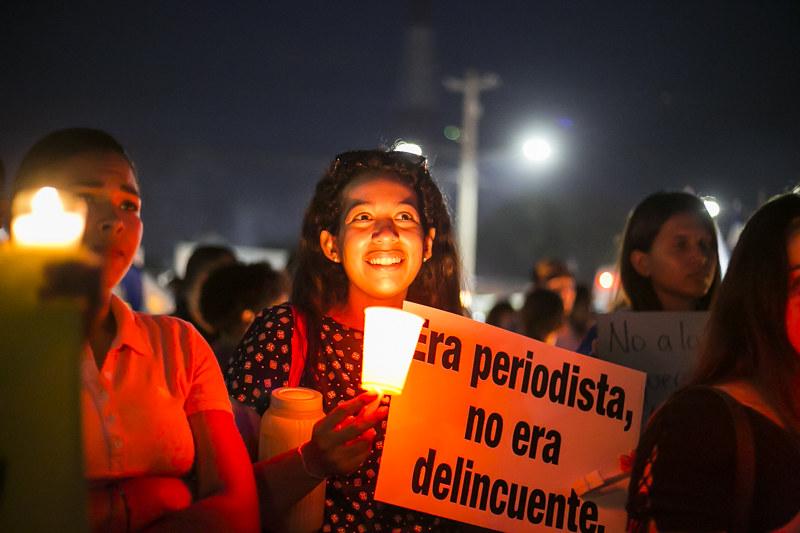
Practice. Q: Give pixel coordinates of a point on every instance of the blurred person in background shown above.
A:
(542, 315)
(554, 275)
(232, 296)
(503, 315)
(582, 316)
(202, 261)
(668, 260)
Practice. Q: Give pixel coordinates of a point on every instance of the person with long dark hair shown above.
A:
(376, 232)
(161, 450)
(724, 454)
(668, 260)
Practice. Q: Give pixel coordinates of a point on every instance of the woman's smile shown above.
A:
(380, 243)
(384, 259)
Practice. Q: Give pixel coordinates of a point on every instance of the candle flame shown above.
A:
(48, 224)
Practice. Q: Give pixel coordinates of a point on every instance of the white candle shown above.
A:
(390, 338)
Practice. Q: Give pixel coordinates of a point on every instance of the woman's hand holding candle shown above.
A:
(342, 440)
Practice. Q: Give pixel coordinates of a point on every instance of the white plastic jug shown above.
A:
(287, 424)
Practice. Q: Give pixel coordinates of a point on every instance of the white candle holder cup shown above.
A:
(390, 339)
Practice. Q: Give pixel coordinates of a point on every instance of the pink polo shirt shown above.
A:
(158, 371)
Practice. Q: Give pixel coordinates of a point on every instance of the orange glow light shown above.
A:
(605, 280)
(47, 224)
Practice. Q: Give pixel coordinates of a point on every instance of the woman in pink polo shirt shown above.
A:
(154, 404)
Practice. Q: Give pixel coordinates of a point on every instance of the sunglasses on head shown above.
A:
(369, 158)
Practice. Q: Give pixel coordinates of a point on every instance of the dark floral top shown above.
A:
(262, 363)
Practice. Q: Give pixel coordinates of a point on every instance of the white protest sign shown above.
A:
(663, 344)
(495, 429)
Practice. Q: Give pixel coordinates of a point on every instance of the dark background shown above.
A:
(231, 110)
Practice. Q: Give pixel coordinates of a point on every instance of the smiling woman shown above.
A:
(153, 401)
(377, 232)
(380, 243)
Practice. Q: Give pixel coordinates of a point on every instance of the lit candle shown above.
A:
(48, 224)
(40, 347)
(390, 338)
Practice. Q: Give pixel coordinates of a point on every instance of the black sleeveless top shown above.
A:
(688, 481)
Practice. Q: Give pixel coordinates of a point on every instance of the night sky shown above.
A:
(231, 110)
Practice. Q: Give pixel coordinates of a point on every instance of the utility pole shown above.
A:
(416, 116)
(467, 207)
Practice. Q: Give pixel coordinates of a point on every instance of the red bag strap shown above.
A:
(299, 347)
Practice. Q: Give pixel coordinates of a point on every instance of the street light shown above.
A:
(537, 149)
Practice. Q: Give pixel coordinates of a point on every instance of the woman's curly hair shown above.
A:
(318, 284)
